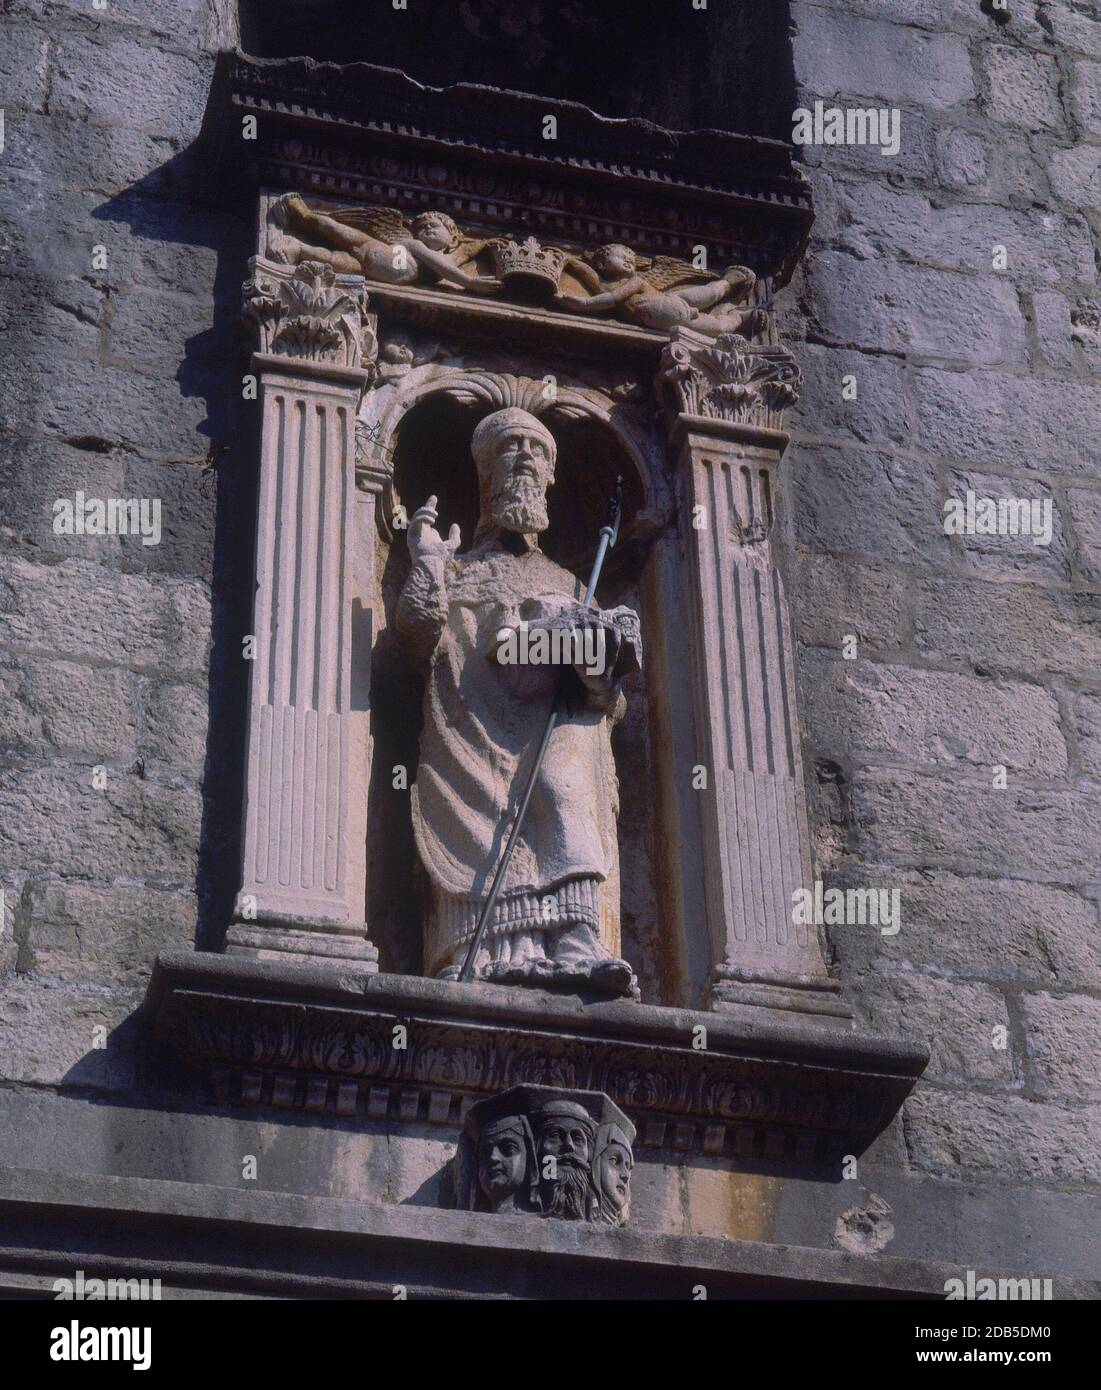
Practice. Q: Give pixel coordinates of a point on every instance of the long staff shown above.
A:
(609, 533)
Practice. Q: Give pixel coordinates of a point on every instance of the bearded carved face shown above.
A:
(565, 1157)
(520, 472)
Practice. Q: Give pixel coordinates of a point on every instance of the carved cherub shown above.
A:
(662, 292)
(377, 243)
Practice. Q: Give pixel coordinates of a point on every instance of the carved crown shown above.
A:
(528, 259)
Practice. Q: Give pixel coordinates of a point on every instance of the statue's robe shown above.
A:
(482, 725)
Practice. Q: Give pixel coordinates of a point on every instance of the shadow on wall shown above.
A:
(176, 217)
(672, 64)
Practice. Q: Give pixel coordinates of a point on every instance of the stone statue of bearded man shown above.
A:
(556, 922)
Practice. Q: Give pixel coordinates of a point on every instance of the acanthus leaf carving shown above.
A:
(728, 378)
(306, 312)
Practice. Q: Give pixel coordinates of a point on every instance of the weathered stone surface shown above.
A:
(53, 154)
(1074, 29)
(1076, 175)
(833, 598)
(901, 308)
(964, 1133)
(123, 81)
(962, 160)
(838, 54)
(53, 1034)
(1007, 627)
(979, 928)
(184, 23)
(37, 474)
(77, 608)
(965, 1025)
(1062, 1039)
(1052, 322)
(1035, 423)
(56, 820)
(1040, 552)
(50, 707)
(1023, 88)
(24, 67)
(861, 707)
(1085, 101)
(885, 506)
(1085, 510)
(148, 329)
(174, 728)
(104, 932)
(877, 415)
(1087, 712)
(1040, 246)
(140, 410)
(1052, 835)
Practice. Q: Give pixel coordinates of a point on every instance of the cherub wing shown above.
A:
(583, 274)
(470, 248)
(384, 224)
(664, 272)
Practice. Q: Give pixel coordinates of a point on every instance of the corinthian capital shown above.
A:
(727, 378)
(308, 312)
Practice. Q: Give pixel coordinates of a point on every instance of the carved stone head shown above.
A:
(615, 262)
(506, 1164)
(515, 455)
(565, 1136)
(545, 1151)
(613, 1162)
(437, 231)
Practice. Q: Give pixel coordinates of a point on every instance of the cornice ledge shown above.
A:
(319, 1039)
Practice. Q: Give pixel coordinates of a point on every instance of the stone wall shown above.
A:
(119, 285)
(971, 651)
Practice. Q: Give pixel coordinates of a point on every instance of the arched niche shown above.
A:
(418, 440)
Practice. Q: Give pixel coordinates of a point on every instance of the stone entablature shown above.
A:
(310, 1040)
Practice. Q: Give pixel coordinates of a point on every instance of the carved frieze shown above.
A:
(658, 293)
(296, 1043)
(365, 134)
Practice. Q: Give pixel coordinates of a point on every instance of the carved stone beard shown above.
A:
(567, 1195)
(520, 504)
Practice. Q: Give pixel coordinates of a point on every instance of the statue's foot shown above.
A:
(614, 976)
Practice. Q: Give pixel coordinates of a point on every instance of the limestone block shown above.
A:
(124, 81)
(1042, 426)
(80, 609)
(966, 1026)
(970, 927)
(106, 933)
(870, 504)
(49, 707)
(902, 308)
(833, 598)
(1007, 627)
(966, 1133)
(867, 58)
(1062, 1040)
(942, 821)
(55, 1034)
(1023, 88)
(1009, 554)
(57, 820)
(856, 708)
